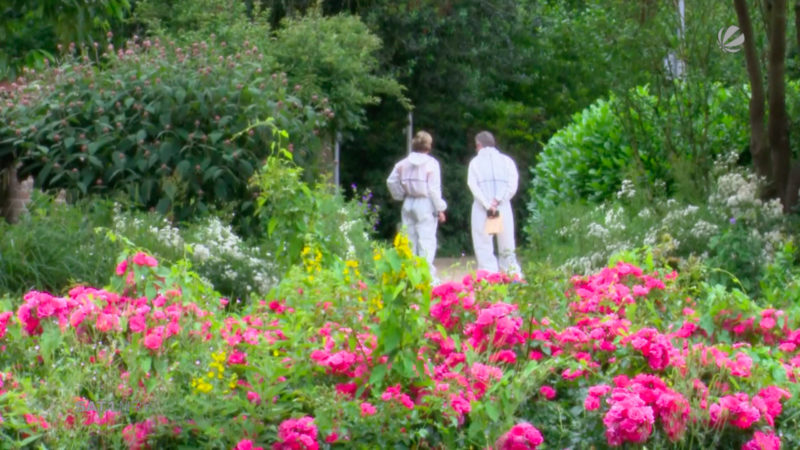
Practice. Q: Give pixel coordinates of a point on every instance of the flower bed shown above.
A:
(376, 359)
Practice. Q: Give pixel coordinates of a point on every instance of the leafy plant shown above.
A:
(294, 215)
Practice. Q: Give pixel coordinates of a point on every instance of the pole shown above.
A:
(676, 67)
(409, 131)
(336, 158)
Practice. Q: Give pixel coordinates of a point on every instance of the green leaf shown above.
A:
(163, 205)
(273, 222)
(145, 363)
(184, 168)
(378, 374)
(161, 366)
(29, 440)
(50, 341)
(492, 412)
(391, 338)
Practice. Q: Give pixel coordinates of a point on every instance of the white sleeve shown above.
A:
(472, 182)
(513, 180)
(435, 187)
(394, 184)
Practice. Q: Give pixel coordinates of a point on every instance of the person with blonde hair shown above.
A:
(492, 177)
(416, 181)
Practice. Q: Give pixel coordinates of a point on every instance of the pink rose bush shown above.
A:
(522, 436)
(297, 434)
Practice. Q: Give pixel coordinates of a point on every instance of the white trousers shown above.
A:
(420, 221)
(484, 244)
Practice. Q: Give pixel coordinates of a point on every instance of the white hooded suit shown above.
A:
(416, 180)
(493, 176)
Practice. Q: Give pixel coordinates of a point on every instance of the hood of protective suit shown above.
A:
(418, 159)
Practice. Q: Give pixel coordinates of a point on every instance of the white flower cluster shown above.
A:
(597, 231)
(704, 230)
(166, 234)
(345, 229)
(586, 264)
(626, 190)
(615, 219)
(676, 217)
(725, 163)
(737, 196)
(219, 246)
(216, 250)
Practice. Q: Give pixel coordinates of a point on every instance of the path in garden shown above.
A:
(454, 269)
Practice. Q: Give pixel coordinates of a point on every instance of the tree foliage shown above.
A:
(31, 30)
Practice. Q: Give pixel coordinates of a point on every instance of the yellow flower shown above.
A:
(232, 383)
(201, 385)
(375, 305)
(402, 245)
(219, 357)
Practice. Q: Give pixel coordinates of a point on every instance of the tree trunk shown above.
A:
(12, 195)
(778, 123)
(758, 136)
(793, 187)
(797, 21)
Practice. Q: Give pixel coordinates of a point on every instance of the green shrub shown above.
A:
(169, 126)
(196, 20)
(731, 228)
(638, 137)
(296, 215)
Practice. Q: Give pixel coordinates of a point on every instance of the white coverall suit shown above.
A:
(493, 176)
(416, 180)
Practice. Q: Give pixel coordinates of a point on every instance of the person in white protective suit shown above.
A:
(492, 177)
(417, 181)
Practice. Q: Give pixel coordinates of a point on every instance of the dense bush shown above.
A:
(613, 140)
(169, 126)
